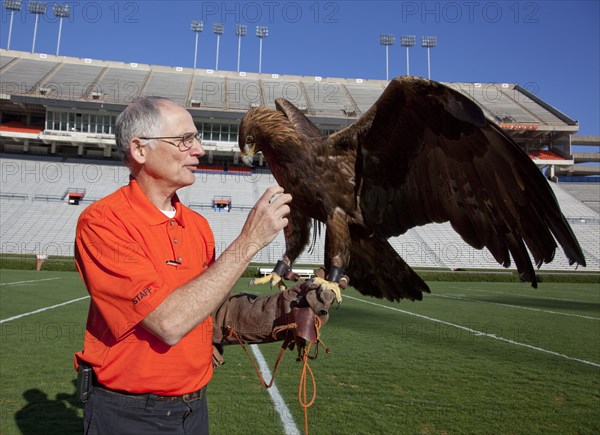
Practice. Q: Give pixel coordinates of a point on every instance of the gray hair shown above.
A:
(142, 118)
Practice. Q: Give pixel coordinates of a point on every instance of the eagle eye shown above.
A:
(249, 139)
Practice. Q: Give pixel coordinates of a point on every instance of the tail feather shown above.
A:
(377, 270)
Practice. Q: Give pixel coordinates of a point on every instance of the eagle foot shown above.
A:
(273, 279)
(330, 285)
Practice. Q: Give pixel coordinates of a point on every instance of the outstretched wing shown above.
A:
(428, 154)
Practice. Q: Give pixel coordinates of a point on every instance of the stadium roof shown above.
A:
(34, 78)
(32, 84)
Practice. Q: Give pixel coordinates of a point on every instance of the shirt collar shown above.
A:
(146, 210)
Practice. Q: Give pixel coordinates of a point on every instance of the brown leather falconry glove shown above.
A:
(286, 315)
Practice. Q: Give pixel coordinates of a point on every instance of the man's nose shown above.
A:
(197, 149)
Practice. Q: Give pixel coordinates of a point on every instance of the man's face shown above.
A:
(168, 164)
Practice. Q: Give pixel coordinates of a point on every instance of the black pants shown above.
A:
(109, 413)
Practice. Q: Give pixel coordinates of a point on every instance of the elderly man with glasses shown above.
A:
(159, 297)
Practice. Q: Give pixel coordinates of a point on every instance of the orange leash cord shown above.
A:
(302, 396)
(277, 361)
(306, 370)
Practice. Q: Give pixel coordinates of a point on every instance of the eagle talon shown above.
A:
(273, 279)
(330, 285)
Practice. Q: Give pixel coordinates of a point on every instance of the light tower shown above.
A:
(36, 8)
(12, 6)
(261, 32)
(408, 41)
(197, 27)
(61, 11)
(428, 42)
(387, 40)
(240, 30)
(218, 29)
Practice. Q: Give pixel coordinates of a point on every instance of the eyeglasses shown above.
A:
(186, 140)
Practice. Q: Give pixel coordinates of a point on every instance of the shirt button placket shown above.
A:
(174, 233)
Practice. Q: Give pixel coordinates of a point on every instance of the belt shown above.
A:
(189, 397)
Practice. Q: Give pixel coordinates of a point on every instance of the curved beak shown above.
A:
(248, 154)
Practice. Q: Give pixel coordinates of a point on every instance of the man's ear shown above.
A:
(137, 151)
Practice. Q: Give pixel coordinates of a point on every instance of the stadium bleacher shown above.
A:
(18, 127)
(119, 84)
(588, 193)
(545, 155)
(30, 223)
(573, 206)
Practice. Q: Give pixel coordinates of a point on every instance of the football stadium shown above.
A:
(483, 353)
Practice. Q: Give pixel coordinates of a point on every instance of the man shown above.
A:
(149, 265)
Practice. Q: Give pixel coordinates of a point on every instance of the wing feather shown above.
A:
(426, 153)
(300, 122)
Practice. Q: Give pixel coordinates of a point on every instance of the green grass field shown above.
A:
(472, 358)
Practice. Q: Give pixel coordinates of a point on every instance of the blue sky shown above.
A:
(551, 48)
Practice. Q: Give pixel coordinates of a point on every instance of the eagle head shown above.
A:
(262, 129)
(249, 132)
(247, 148)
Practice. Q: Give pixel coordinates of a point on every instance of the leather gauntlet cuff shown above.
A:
(265, 319)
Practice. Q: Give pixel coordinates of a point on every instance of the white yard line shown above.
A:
(516, 306)
(522, 294)
(285, 416)
(42, 309)
(24, 282)
(478, 333)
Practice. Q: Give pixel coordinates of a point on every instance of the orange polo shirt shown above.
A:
(131, 257)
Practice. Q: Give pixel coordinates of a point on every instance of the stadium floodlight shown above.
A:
(261, 32)
(197, 27)
(61, 11)
(408, 41)
(387, 40)
(428, 42)
(218, 29)
(240, 30)
(36, 8)
(12, 6)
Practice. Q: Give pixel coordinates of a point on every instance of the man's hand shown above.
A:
(267, 218)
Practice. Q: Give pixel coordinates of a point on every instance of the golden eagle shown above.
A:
(423, 153)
